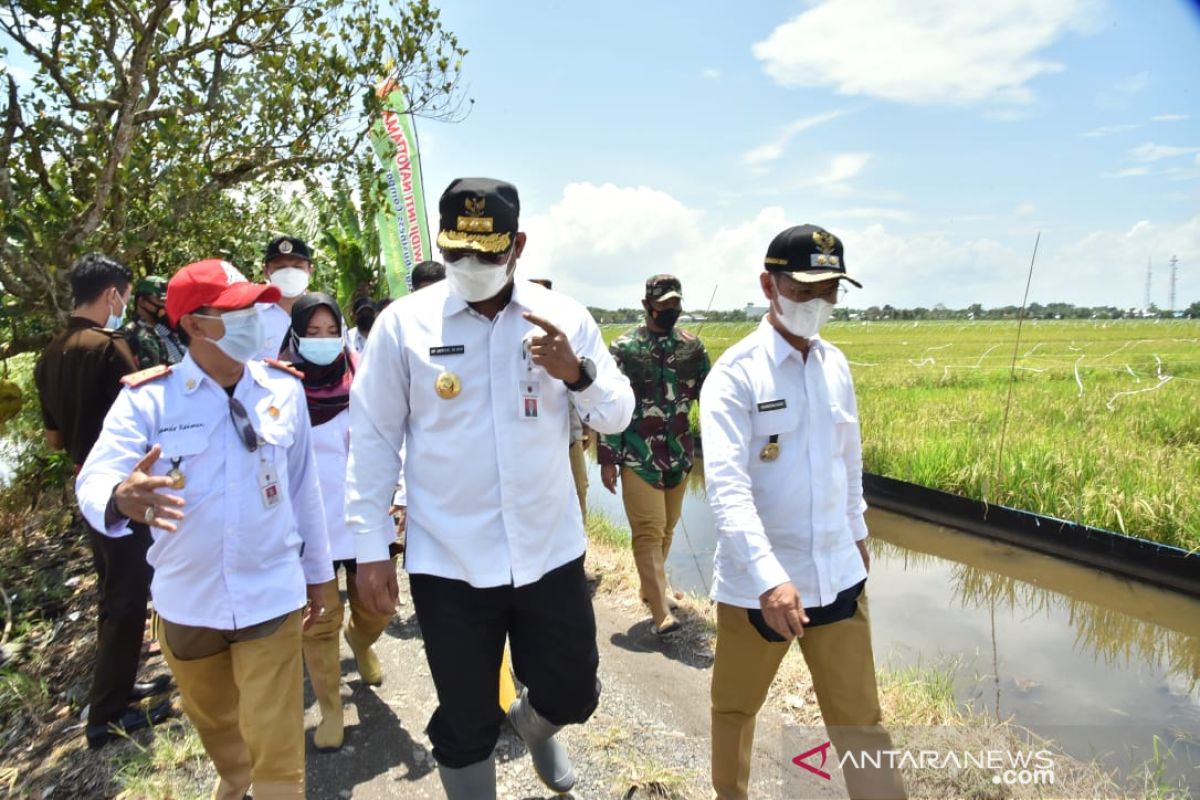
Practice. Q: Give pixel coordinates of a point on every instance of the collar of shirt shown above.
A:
(194, 377)
(778, 348)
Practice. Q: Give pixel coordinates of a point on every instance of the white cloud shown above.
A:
(1024, 209)
(1133, 84)
(889, 214)
(921, 51)
(19, 74)
(842, 168)
(600, 242)
(1130, 172)
(1156, 152)
(760, 156)
(711, 73)
(1109, 130)
(1170, 117)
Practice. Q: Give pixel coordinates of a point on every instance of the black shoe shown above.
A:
(150, 688)
(134, 719)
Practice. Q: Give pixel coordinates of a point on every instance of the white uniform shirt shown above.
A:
(275, 322)
(331, 445)
(354, 339)
(796, 518)
(233, 562)
(490, 497)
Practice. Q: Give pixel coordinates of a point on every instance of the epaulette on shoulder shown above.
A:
(136, 379)
(283, 366)
(686, 335)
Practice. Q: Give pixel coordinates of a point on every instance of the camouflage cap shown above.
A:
(151, 284)
(663, 287)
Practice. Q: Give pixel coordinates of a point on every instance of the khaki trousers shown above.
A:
(247, 704)
(579, 473)
(842, 665)
(652, 516)
(322, 636)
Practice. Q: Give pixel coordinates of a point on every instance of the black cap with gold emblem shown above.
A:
(287, 246)
(809, 253)
(478, 214)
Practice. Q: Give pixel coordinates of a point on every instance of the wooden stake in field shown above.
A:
(1012, 373)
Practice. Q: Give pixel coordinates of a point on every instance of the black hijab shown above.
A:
(327, 386)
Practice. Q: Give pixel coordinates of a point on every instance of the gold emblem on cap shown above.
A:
(825, 240)
(447, 385)
(770, 451)
(475, 206)
(285, 247)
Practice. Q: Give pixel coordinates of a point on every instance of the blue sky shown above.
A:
(936, 138)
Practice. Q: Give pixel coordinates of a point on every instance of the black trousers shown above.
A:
(124, 588)
(551, 630)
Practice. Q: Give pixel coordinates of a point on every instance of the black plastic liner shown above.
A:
(1158, 564)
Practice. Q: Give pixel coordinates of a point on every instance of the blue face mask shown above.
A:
(114, 321)
(319, 350)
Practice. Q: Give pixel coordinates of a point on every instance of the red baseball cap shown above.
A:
(213, 283)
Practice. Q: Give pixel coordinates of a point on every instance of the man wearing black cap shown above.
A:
(474, 376)
(150, 338)
(783, 469)
(666, 368)
(288, 265)
(363, 312)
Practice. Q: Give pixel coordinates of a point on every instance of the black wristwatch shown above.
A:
(587, 376)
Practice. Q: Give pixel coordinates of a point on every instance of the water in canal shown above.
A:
(1100, 664)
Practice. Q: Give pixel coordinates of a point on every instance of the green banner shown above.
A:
(403, 227)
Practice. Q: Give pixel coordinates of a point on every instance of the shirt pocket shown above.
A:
(274, 441)
(186, 453)
(778, 422)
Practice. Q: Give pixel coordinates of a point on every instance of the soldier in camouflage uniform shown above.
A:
(152, 342)
(666, 368)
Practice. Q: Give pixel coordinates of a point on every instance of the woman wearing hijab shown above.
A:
(316, 347)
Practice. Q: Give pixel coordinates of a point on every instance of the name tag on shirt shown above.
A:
(448, 350)
(772, 405)
(530, 395)
(268, 485)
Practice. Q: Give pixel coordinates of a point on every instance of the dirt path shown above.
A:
(649, 738)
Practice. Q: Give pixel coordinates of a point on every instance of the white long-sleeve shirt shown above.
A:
(490, 496)
(276, 323)
(796, 518)
(331, 446)
(233, 562)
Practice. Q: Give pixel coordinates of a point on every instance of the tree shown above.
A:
(149, 123)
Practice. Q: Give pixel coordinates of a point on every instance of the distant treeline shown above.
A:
(938, 312)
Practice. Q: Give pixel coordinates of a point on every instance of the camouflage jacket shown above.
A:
(152, 345)
(666, 373)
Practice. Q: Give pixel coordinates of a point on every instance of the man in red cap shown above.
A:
(214, 456)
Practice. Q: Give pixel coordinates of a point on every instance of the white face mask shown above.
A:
(475, 280)
(244, 336)
(292, 281)
(803, 319)
(319, 350)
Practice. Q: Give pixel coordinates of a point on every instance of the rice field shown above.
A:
(1103, 425)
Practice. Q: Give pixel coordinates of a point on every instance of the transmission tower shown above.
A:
(1146, 303)
(1171, 292)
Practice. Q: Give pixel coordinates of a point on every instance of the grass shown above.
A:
(171, 766)
(1103, 427)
